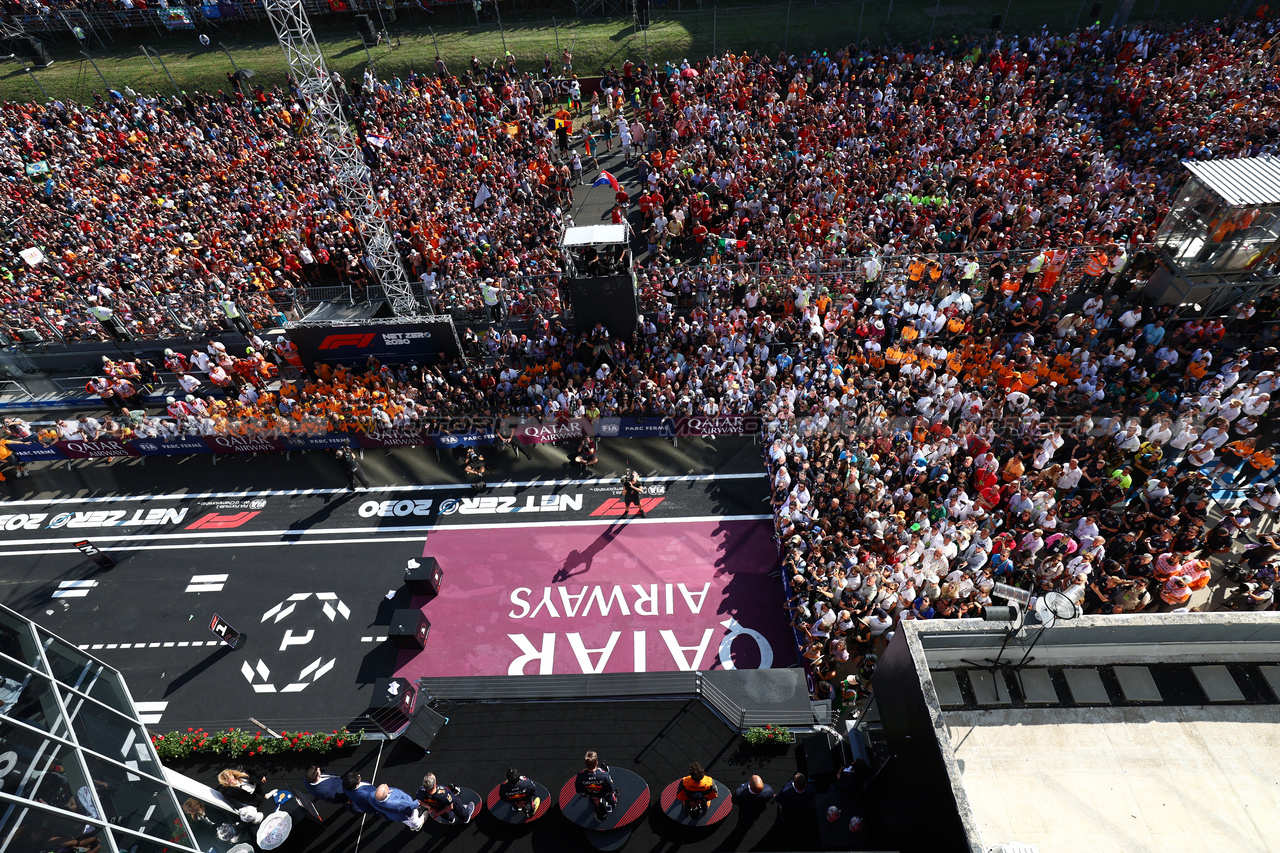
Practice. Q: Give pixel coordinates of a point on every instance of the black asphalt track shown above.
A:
(283, 552)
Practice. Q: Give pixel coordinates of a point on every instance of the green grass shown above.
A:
(675, 34)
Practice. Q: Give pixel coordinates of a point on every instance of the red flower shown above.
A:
(258, 736)
(341, 742)
(224, 740)
(191, 730)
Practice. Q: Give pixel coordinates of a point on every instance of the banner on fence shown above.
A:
(177, 18)
(445, 433)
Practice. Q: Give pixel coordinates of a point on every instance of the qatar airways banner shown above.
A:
(451, 434)
(625, 597)
(722, 425)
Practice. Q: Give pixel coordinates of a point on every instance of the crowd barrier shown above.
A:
(448, 434)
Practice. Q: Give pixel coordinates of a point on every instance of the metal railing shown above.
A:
(741, 717)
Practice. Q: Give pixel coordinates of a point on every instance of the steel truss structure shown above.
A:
(351, 176)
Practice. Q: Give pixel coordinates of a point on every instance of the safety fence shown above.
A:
(447, 434)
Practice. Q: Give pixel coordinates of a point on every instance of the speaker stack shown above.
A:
(393, 703)
(409, 629)
(423, 576)
(398, 709)
(368, 32)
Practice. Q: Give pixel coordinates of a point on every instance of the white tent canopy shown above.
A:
(594, 235)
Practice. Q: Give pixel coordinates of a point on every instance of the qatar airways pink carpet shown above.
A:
(634, 595)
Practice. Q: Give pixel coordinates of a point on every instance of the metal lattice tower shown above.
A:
(351, 175)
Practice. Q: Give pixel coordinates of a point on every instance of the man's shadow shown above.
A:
(584, 558)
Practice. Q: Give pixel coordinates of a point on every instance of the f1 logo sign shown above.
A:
(214, 521)
(335, 341)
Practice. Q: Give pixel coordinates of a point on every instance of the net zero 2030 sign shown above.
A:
(297, 615)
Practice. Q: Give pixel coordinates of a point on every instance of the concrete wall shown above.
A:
(1101, 640)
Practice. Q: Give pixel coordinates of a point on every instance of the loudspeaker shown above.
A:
(424, 727)
(642, 14)
(392, 705)
(1095, 11)
(409, 629)
(368, 31)
(33, 49)
(608, 300)
(425, 579)
(816, 759)
(995, 21)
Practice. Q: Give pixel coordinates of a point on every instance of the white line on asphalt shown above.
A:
(199, 534)
(177, 546)
(342, 531)
(511, 484)
(588, 522)
(204, 587)
(74, 589)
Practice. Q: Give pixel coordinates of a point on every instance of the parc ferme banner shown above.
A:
(449, 435)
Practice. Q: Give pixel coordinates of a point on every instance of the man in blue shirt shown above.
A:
(1153, 333)
(359, 793)
(753, 797)
(796, 800)
(325, 786)
(396, 805)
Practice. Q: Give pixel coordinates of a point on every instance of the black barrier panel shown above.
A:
(425, 341)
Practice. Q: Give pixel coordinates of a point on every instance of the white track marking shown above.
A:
(74, 589)
(510, 484)
(149, 713)
(590, 522)
(206, 583)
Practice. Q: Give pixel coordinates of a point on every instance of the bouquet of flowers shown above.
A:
(759, 735)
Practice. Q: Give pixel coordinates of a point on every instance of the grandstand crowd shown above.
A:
(921, 266)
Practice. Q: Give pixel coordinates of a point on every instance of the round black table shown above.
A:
(504, 811)
(612, 832)
(464, 798)
(717, 809)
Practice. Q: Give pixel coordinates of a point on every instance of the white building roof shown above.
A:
(1244, 181)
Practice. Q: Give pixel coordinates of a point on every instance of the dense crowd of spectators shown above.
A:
(920, 266)
(161, 210)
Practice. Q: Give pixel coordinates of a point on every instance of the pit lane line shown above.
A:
(508, 484)
(607, 522)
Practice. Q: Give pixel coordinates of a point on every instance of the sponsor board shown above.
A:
(427, 340)
(493, 505)
(726, 425)
(395, 508)
(471, 439)
(552, 431)
(635, 599)
(103, 518)
(245, 444)
(458, 433)
(170, 446)
(255, 503)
